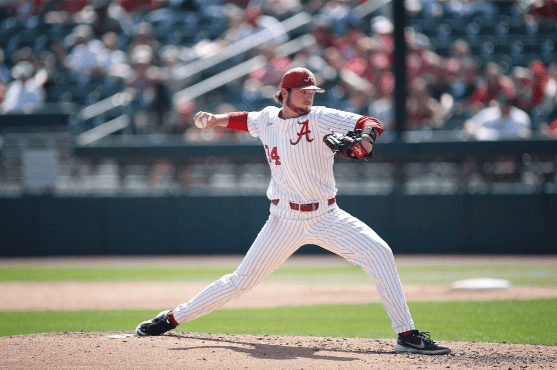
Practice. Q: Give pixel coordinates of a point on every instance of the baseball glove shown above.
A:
(347, 146)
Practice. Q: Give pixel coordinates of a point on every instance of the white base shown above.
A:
(476, 284)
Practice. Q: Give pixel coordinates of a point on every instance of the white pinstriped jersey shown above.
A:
(301, 164)
(302, 172)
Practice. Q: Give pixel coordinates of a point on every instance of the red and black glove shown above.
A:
(349, 145)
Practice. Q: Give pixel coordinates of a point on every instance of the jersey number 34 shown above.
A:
(272, 155)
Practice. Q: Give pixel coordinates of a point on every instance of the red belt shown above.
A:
(308, 207)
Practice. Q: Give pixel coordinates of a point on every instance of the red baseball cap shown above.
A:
(301, 78)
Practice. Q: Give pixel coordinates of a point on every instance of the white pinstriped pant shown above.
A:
(285, 232)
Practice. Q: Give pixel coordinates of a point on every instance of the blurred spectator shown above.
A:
(460, 52)
(60, 56)
(140, 6)
(382, 30)
(375, 61)
(170, 65)
(253, 93)
(343, 42)
(142, 76)
(26, 54)
(545, 87)
(537, 92)
(376, 50)
(536, 87)
(358, 91)
(350, 50)
(166, 85)
(276, 66)
(358, 100)
(545, 10)
(347, 51)
(86, 15)
(435, 74)
(74, 6)
(488, 87)
(260, 22)
(340, 15)
(501, 120)
(113, 59)
(261, 83)
(105, 18)
(281, 9)
(54, 10)
(85, 58)
(143, 34)
(48, 68)
(461, 71)
(4, 71)
(321, 29)
(423, 110)
(382, 107)
(3, 89)
(524, 81)
(186, 111)
(552, 70)
(422, 62)
(544, 115)
(23, 10)
(550, 126)
(141, 85)
(552, 131)
(238, 27)
(243, 4)
(25, 93)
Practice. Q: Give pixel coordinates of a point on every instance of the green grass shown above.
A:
(44, 274)
(515, 321)
(526, 322)
(527, 275)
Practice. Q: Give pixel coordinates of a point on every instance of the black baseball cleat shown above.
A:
(157, 326)
(420, 342)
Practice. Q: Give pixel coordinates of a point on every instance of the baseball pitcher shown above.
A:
(300, 142)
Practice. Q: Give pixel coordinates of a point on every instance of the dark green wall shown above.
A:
(47, 225)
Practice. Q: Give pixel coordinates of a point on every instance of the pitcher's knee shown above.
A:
(373, 252)
(237, 281)
(384, 248)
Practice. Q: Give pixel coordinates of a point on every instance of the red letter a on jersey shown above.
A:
(304, 131)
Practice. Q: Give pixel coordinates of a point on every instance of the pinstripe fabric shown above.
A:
(277, 240)
(302, 172)
(285, 232)
(305, 173)
(345, 235)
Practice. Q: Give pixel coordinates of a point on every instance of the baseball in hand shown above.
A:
(201, 122)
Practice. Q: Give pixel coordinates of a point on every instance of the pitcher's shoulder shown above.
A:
(321, 111)
(271, 111)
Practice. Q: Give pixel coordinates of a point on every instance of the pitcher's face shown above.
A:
(299, 101)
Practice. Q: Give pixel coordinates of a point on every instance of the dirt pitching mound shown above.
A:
(177, 350)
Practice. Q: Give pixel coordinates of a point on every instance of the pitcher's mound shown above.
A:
(180, 350)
